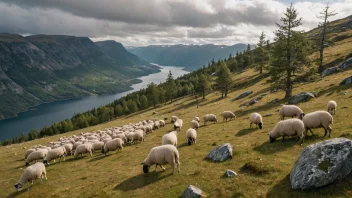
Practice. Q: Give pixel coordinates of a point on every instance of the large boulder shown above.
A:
(192, 192)
(245, 94)
(329, 71)
(304, 96)
(221, 153)
(346, 81)
(322, 164)
(346, 64)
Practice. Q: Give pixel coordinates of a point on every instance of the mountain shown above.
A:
(191, 57)
(45, 68)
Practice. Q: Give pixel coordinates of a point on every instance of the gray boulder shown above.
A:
(221, 153)
(322, 164)
(304, 96)
(329, 71)
(346, 64)
(230, 173)
(346, 81)
(192, 192)
(252, 102)
(245, 94)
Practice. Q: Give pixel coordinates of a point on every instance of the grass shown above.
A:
(263, 168)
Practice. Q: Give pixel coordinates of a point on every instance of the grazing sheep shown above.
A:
(318, 119)
(210, 118)
(170, 138)
(173, 119)
(194, 124)
(290, 127)
(257, 119)
(178, 124)
(290, 111)
(162, 123)
(197, 119)
(138, 135)
(36, 155)
(69, 148)
(83, 148)
(191, 135)
(228, 114)
(121, 136)
(160, 155)
(75, 145)
(59, 152)
(98, 145)
(332, 107)
(29, 151)
(30, 174)
(129, 137)
(112, 145)
(156, 124)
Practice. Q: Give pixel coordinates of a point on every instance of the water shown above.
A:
(46, 114)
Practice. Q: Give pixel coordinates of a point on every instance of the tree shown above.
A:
(224, 79)
(233, 65)
(289, 53)
(152, 94)
(132, 106)
(261, 53)
(118, 110)
(324, 16)
(126, 111)
(171, 88)
(144, 102)
(203, 85)
(23, 137)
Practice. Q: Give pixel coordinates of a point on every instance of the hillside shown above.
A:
(45, 68)
(191, 57)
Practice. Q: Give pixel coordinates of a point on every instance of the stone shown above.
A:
(304, 96)
(252, 102)
(346, 81)
(245, 94)
(193, 192)
(346, 64)
(329, 71)
(322, 163)
(230, 173)
(221, 153)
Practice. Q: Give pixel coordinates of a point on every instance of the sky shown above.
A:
(160, 22)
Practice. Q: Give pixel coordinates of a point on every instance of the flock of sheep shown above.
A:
(114, 138)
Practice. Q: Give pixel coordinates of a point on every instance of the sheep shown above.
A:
(170, 138)
(31, 173)
(257, 119)
(83, 148)
(227, 114)
(178, 124)
(162, 123)
(36, 155)
(156, 124)
(332, 107)
(75, 145)
(112, 145)
(161, 155)
(130, 137)
(290, 127)
(197, 119)
(69, 147)
(121, 136)
(290, 111)
(138, 135)
(29, 151)
(194, 124)
(318, 119)
(191, 135)
(59, 152)
(173, 119)
(210, 118)
(98, 145)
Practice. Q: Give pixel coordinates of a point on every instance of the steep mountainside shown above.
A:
(190, 56)
(43, 68)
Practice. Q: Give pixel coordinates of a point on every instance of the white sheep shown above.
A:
(83, 148)
(36, 155)
(98, 146)
(332, 107)
(156, 124)
(112, 145)
(169, 138)
(129, 137)
(69, 148)
(228, 114)
(121, 136)
(30, 174)
(162, 123)
(257, 119)
(178, 124)
(318, 119)
(194, 124)
(55, 153)
(29, 151)
(290, 111)
(191, 136)
(290, 127)
(210, 118)
(138, 135)
(197, 119)
(173, 119)
(161, 155)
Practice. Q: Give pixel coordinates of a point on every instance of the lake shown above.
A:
(48, 113)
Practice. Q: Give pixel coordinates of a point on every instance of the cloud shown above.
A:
(141, 22)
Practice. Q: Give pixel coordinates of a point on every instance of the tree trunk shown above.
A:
(288, 85)
(321, 51)
(261, 68)
(203, 95)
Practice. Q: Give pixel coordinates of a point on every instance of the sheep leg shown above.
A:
(283, 139)
(326, 131)
(173, 168)
(156, 166)
(162, 167)
(330, 129)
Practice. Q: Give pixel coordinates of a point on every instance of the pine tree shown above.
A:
(171, 87)
(261, 53)
(152, 94)
(118, 110)
(233, 65)
(224, 79)
(144, 102)
(203, 85)
(289, 53)
(126, 111)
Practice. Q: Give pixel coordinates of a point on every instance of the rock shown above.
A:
(273, 101)
(252, 102)
(247, 93)
(304, 96)
(346, 64)
(230, 173)
(322, 163)
(192, 192)
(221, 153)
(346, 81)
(329, 71)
